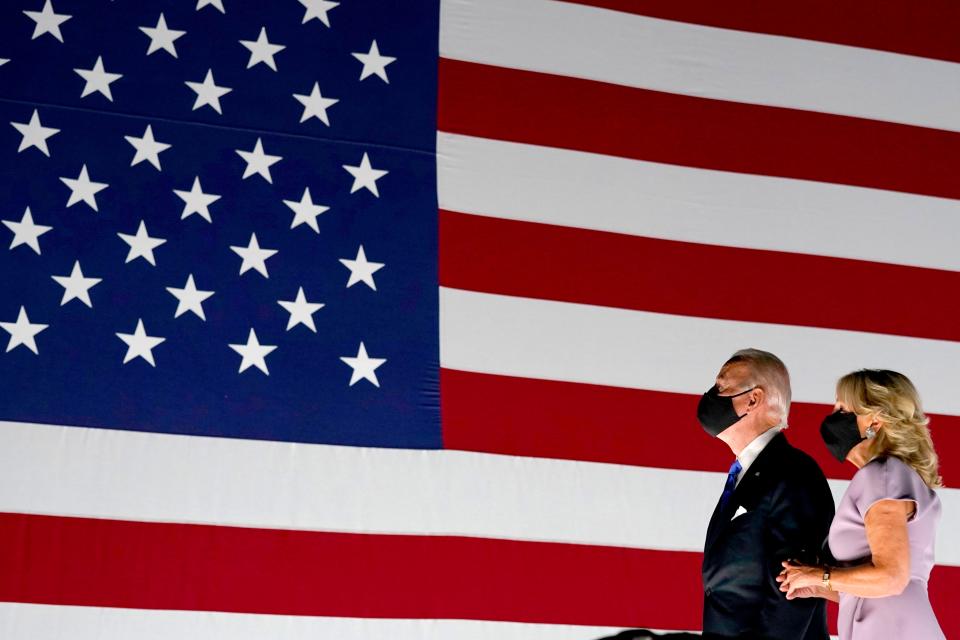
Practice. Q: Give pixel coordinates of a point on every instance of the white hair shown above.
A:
(768, 372)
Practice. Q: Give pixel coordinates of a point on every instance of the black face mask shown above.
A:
(715, 412)
(840, 433)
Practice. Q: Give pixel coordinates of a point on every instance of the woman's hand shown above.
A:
(800, 581)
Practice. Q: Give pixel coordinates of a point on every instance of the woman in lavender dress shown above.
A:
(883, 533)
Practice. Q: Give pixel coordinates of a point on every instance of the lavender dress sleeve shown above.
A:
(890, 479)
(909, 614)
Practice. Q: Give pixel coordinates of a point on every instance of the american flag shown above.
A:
(388, 318)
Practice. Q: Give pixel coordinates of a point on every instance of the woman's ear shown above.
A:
(874, 427)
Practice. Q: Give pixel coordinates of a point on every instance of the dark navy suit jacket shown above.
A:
(789, 508)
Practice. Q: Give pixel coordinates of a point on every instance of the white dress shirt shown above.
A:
(752, 450)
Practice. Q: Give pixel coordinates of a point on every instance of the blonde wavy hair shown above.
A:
(892, 398)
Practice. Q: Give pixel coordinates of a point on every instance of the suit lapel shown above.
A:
(714, 528)
(749, 491)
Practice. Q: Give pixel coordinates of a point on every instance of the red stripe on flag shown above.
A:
(567, 264)
(926, 28)
(77, 561)
(110, 563)
(584, 115)
(573, 421)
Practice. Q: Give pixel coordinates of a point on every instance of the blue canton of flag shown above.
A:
(220, 218)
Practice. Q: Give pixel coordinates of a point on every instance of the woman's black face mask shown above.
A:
(840, 433)
(716, 413)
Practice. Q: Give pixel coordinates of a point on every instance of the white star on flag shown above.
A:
(258, 162)
(361, 270)
(22, 332)
(262, 50)
(363, 366)
(301, 311)
(365, 176)
(98, 79)
(189, 298)
(374, 64)
(34, 134)
(83, 189)
(254, 257)
(196, 201)
(305, 211)
(315, 105)
(162, 37)
(208, 93)
(217, 4)
(26, 232)
(317, 9)
(4, 61)
(76, 286)
(147, 148)
(254, 354)
(47, 21)
(141, 244)
(139, 344)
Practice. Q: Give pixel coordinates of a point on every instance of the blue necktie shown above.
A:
(731, 483)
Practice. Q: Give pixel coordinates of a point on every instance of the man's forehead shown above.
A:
(732, 371)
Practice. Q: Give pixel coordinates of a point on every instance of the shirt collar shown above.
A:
(756, 446)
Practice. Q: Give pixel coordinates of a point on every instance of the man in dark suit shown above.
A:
(776, 505)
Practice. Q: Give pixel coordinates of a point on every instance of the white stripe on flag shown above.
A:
(585, 42)
(531, 338)
(46, 622)
(591, 191)
(73, 471)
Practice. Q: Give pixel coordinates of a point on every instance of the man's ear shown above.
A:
(756, 399)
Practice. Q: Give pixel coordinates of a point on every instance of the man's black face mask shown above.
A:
(715, 412)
